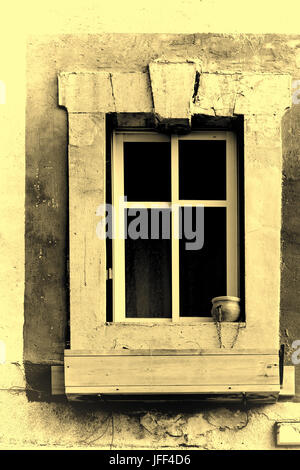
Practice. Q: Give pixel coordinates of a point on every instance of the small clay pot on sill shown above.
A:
(226, 308)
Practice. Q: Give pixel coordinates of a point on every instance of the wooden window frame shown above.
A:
(118, 243)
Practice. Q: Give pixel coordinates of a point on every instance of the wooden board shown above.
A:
(155, 372)
(171, 352)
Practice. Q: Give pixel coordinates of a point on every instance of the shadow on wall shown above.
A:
(46, 244)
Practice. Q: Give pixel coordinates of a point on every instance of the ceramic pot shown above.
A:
(225, 308)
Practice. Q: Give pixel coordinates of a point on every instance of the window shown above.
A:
(189, 183)
(161, 290)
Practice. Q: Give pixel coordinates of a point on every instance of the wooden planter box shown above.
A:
(132, 372)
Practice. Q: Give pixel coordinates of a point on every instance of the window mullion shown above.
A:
(204, 203)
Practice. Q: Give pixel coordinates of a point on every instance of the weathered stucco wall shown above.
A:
(62, 425)
(46, 294)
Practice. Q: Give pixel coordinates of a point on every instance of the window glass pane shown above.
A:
(202, 169)
(148, 265)
(147, 171)
(203, 272)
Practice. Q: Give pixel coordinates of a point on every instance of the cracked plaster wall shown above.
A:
(34, 418)
(63, 425)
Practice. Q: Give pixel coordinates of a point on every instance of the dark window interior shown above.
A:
(203, 272)
(147, 171)
(202, 169)
(148, 274)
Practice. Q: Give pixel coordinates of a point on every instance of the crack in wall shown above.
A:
(196, 86)
(112, 89)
